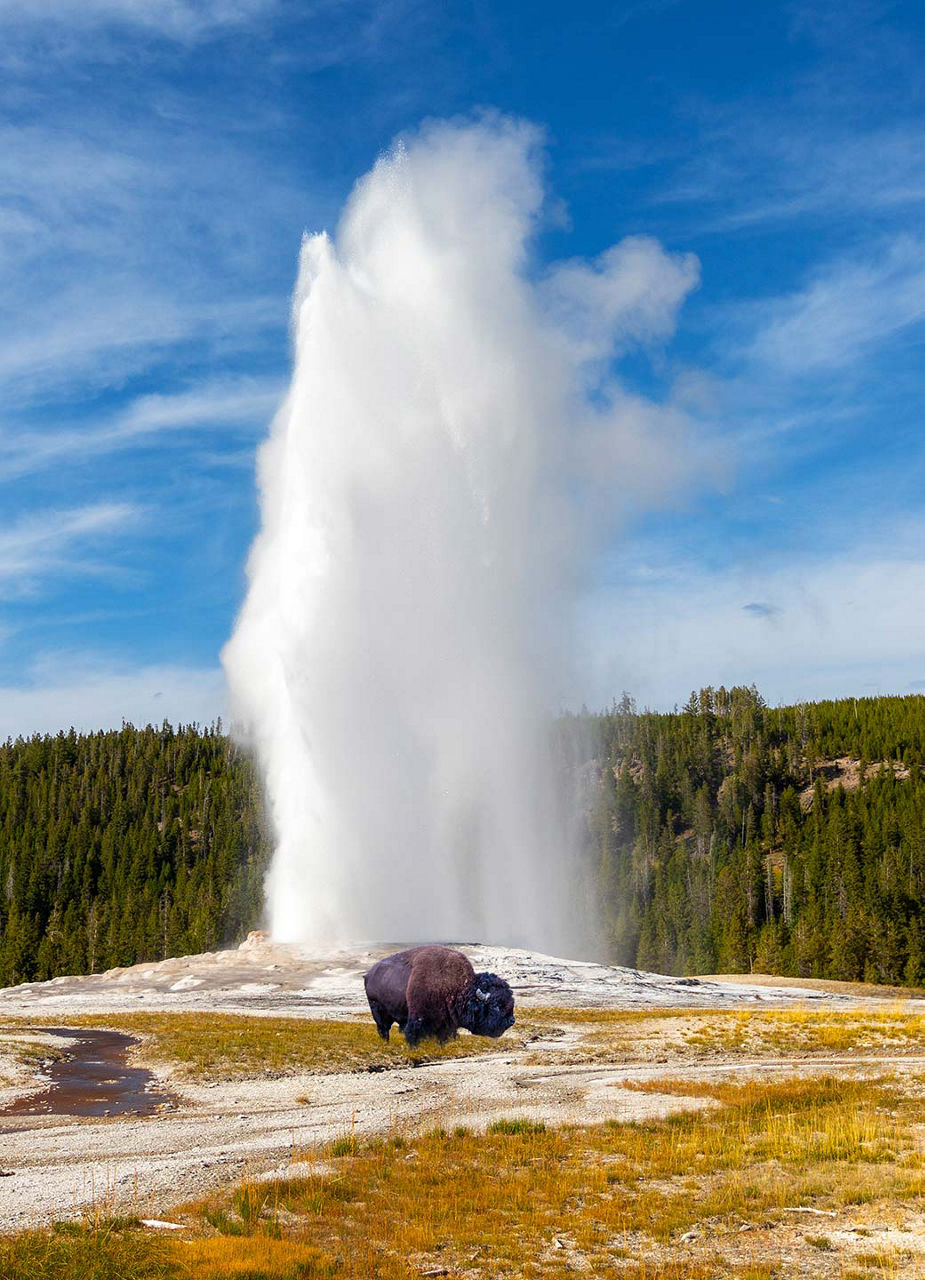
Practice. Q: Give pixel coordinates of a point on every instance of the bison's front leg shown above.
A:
(415, 1030)
(418, 1029)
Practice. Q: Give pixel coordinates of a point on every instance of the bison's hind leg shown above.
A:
(381, 1018)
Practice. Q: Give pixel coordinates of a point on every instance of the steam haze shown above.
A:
(453, 450)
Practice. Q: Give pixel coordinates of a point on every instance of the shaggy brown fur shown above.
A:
(433, 991)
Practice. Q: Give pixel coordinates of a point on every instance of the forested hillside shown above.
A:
(732, 836)
(124, 846)
(727, 836)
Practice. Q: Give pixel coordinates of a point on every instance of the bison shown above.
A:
(433, 991)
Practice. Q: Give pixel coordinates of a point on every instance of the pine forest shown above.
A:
(725, 837)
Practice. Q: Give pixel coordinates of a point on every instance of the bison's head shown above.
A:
(490, 1007)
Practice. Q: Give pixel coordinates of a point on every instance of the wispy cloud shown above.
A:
(182, 20)
(115, 249)
(136, 236)
(750, 172)
(331, 32)
(104, 337)
(226, 406)
(849, 308)
(839, 137)
(50, 543)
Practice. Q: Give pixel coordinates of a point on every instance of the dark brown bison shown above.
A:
(433, 991)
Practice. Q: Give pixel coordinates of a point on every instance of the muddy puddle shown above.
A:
(93, 1077)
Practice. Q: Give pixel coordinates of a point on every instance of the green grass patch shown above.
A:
(88, 1252)
(517, 1125)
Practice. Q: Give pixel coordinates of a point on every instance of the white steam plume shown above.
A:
(425, 498)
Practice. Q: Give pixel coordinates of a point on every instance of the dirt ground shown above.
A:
(218, 1130)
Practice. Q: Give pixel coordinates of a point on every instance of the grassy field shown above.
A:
(239, 1047)
(236, 1047)
(511, 1200)
(695, 1195)
(817, 1174)
(631, 1036)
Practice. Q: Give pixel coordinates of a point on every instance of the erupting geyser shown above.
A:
(425, 497)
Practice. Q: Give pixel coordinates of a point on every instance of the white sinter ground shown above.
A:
(219, 1130)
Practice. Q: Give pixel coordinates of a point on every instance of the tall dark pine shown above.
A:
(125, 846)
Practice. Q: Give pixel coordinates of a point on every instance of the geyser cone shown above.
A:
(408, 597)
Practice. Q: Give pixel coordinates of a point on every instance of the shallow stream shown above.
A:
(92, 1077)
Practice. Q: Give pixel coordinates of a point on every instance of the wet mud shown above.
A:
(93, 1077)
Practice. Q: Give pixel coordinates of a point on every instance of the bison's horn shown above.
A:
(482, 995)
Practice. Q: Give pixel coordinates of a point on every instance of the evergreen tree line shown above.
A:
(125, 846)
(726, 836)
(730, 836)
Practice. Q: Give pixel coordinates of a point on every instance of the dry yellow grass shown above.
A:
(634, 1036)
(512, 1200)
(554, 1015)
(24, 1051)
(238, 1047)
(811, 1031)
(525, 1200)
(231, 1046)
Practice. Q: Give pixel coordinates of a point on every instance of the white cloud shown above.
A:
(630, 294)
(69, 32)
(65, 690)
(52, 542)
(181, 20)
(804, 628)
(752, 169)
(110, 257)
(93, 337)
(851, 307)
(226, 405)
(73, 169)
(235, 400)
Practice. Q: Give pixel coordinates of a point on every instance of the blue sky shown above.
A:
(158, 165)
